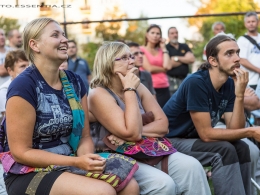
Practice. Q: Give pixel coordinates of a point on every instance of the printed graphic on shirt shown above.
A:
(54, 117)
(215, 116)
(255, 49)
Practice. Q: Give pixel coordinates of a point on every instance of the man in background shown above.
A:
(145, 76)
(181, 56)
(15, 39)
(217, 27)
(249, 45)
(249, 48)
(193, 111)
(3, 51)
(77, 64)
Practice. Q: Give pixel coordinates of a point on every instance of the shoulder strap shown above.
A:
(253, 41)
(114, 95)
(77, 111)
(116, 98)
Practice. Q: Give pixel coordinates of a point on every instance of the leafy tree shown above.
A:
(136, 31)
(8, 24)
(108, 31)
(234, 24)
(89, 51)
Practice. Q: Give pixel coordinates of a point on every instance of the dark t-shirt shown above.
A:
(146, 80)
(197, 93)
(82, 69)
(182, 70)
(53, 122)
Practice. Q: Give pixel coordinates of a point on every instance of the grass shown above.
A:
(211, 186)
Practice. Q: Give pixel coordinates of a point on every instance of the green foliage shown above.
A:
(234, 24)
(8, 24)
(197, 47)
(108, 31)
(89, 52)
(136, 31)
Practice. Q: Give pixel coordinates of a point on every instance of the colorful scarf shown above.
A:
(77, 111)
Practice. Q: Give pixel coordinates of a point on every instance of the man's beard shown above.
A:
(231, 73)
(174, 41)
(72, 56)
(19, 45)
(253, 31)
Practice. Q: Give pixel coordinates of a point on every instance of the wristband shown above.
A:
(129, 89)
(165, 52)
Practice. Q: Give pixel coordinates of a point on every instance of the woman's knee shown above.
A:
(167, 185)
(75, 184)
(152, 181)
(160, 184)
(132, 188)
(192, 165)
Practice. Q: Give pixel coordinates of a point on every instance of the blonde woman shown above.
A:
(39, 121)
(115, 86)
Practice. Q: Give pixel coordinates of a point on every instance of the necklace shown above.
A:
(118, 96)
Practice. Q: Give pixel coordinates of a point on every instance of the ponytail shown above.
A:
(205, 66)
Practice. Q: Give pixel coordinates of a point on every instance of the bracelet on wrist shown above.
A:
(240, 96)
(165, 52)
(129, 89)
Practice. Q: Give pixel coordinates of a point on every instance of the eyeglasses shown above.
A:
(137, 53)
(125, 58)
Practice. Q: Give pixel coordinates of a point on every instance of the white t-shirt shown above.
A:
(256, 113)
(3, 92)
(2, 60)
(250, 52)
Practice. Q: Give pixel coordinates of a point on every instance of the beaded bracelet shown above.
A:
(129, 89)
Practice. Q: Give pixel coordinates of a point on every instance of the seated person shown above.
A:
(251, 102)
(15, 63)
(197, 106)
(40, 121)
(145, 76)
(114, 73)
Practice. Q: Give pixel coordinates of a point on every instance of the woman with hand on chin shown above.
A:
(156, 60)
(40, 121)
(117, 101)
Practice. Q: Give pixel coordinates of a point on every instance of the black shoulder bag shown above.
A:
(253, 41)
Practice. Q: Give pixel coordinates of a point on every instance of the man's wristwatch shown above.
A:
(176, 59)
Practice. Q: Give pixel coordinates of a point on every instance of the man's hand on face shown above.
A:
(240, 80)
